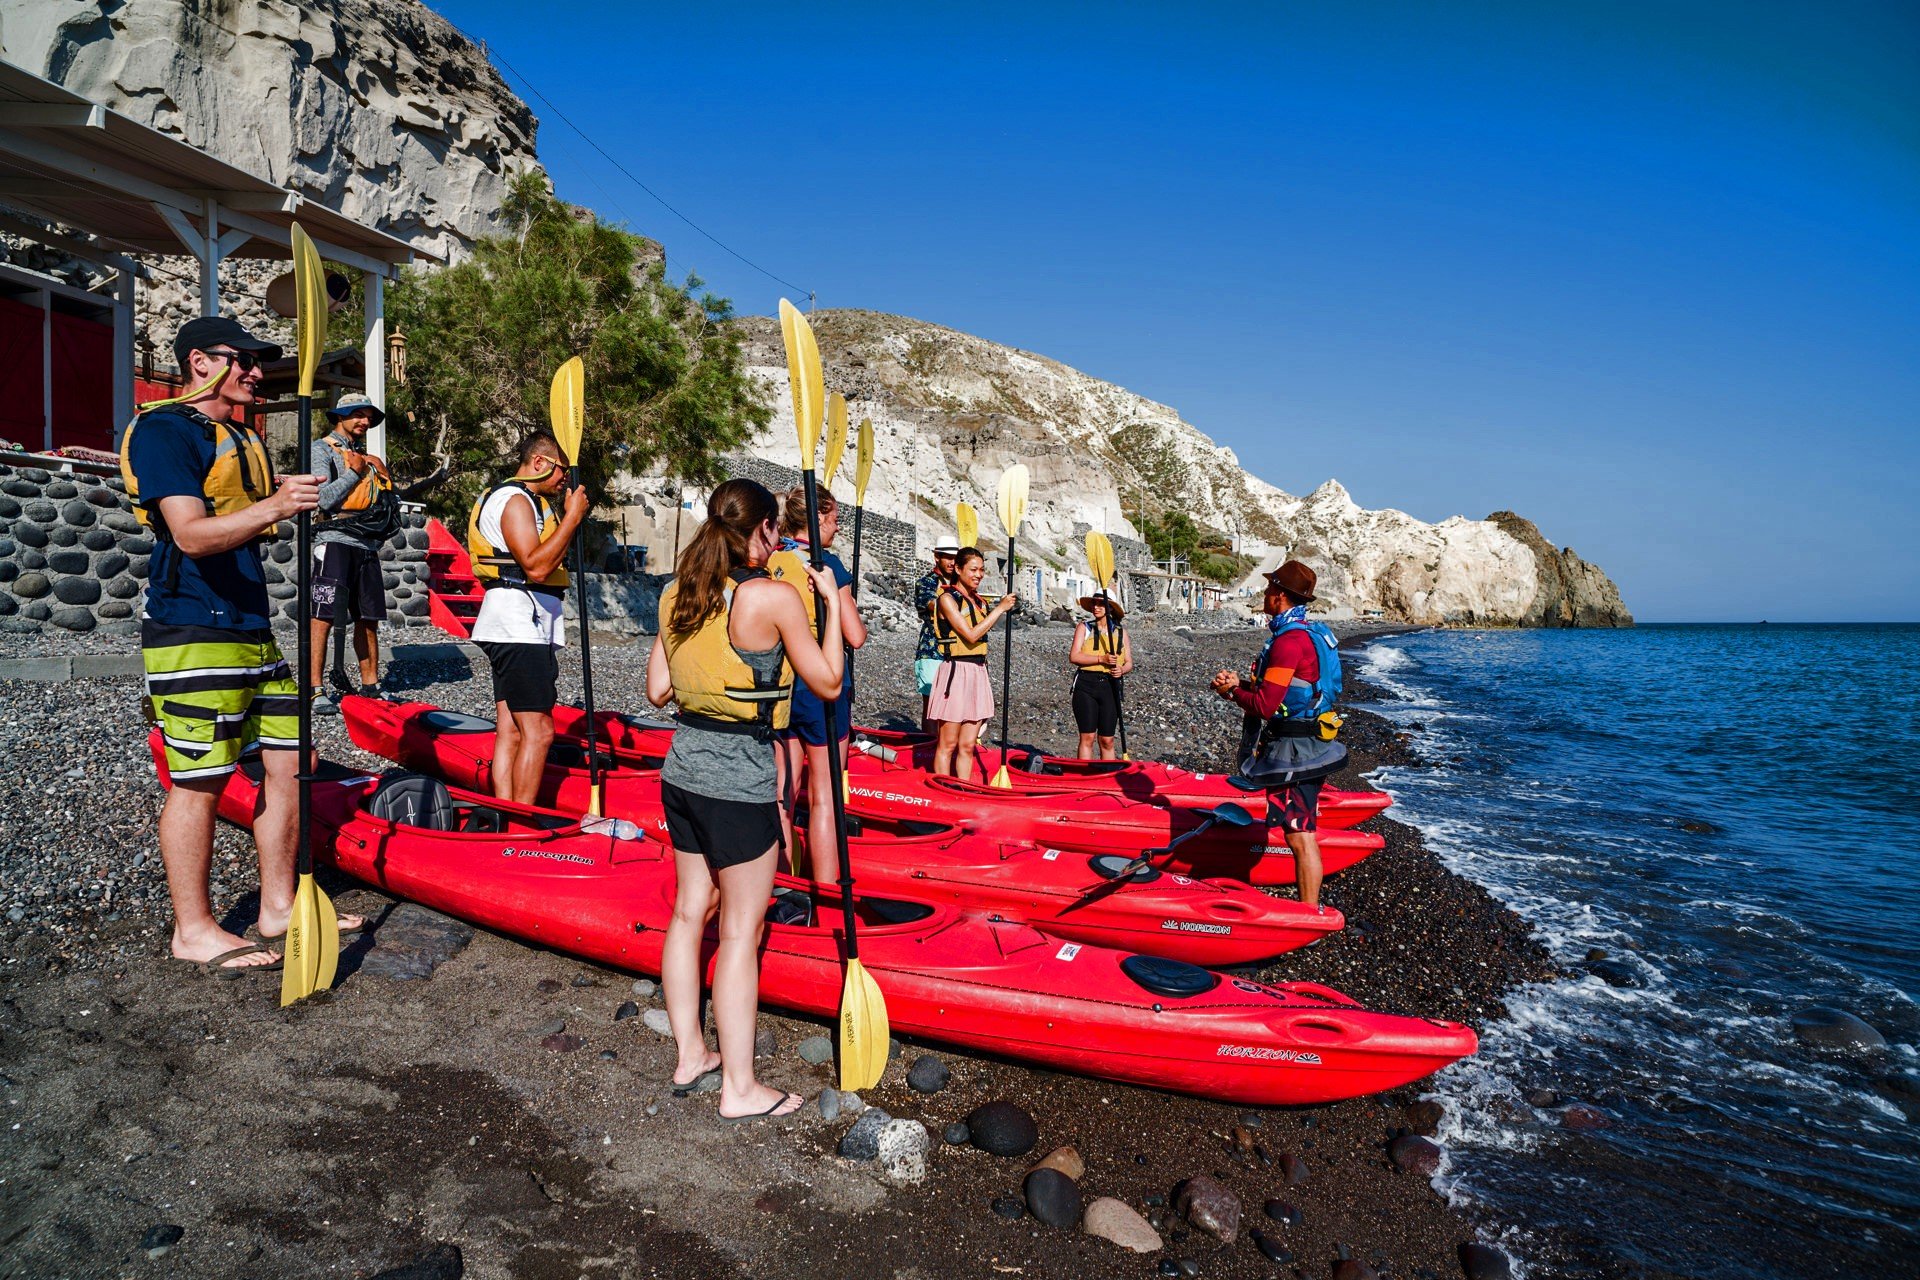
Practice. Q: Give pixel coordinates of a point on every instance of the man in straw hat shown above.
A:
(1101, 655)
(359, 510)
(1282, 743)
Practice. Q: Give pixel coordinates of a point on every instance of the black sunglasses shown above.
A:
(245, 361)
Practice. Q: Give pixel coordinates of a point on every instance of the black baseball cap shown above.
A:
(218, 331)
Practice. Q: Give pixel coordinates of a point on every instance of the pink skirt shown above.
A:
(962, 692)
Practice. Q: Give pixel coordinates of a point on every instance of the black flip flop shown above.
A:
(692, 1086)
(217, 965)
(768, 1114)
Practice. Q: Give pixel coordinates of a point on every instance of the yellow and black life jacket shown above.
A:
(713, 685)
(495, 566)
(789, 565)
(371, 509)
(240, 475)
(952, 644)
(1109, 639)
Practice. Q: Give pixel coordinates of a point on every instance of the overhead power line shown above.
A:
(535, 91)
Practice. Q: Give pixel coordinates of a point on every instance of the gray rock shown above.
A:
(645, 987)
(628, 1009)
(765, 1043)
(141, 545)
(77, 591)
(851, 1103)
(412, 942)
(862, 1142)
(271, 574)
(829, 1104)
(73, 618)
(928, 1075)
(114, 609)
(79, 514)
(957, 1134)
(6, 548)
(415, 607)
(29, 535)
(160, 1238)
(8, 606)
(1118, 1222)
(282, 591)
(99, 540)
(1411, 1153)
(1053, 1198)
(20, 487)
(551, 1027)
(100, 496)
(124, 587)
(41, 512)
(9, 508)
(61, 535)
(902, 1151)
(20, 626)
(137, 566)
(39, 475)
(72, 561)
(1270, 1248)
(1484, 1262)
(121, 521)
(1818, 1025)
(1001, 1128)
(1210, 1207)
(60, 489)
(656, 1020)
(111, 565)
(9, 569)
(1009, 1207)
(815, 1049)
(418, 539)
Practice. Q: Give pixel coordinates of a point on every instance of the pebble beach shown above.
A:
(464, 1103)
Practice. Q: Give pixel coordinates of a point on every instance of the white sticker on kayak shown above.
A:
(1199, 777)
(1050, 855)
(1068, 952)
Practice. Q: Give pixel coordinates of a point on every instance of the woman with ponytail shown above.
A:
(732, 639)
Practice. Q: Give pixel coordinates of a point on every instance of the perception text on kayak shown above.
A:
(547, 853)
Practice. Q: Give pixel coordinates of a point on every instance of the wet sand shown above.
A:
(351, 1133)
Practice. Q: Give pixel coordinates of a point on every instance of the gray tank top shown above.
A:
(721, 765)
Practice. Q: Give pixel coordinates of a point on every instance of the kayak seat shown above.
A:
(1169, 977)
(1108, 866)
(455, 722)
(790, 906)
(482, 820)
(412, 800)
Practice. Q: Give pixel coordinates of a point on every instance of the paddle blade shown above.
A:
(966, 524)
(310, 307)
(567, 407)
(862, 462)
(836, 435)
(327, 934)
(863, 1030)
(1002, 779)
(300, 963)
(805, 378)
(1013, 497)
(1100, 557)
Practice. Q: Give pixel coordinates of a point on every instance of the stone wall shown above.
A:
(886, 544)
(74, 557)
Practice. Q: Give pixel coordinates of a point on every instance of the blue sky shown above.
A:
(1646, 273)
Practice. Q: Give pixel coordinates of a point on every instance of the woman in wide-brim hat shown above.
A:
(1101, 655)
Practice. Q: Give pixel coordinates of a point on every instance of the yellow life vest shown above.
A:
(1104, 640)
(373, 482)
(952, 644)
(712, 683)
(240, 475)
(495, 566)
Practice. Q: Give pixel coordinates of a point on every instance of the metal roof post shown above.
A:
(210, 258)
(376, 358)
(122, 350)
(46, 367)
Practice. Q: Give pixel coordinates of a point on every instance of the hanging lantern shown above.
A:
(397, 358)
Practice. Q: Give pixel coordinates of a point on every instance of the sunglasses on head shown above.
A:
(245, 361)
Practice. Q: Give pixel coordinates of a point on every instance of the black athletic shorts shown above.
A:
(1096, 705)
(1294, 809)
(725, 832)
(524, 675)
(349, 577)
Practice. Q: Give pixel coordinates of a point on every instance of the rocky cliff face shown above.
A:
(951, 412)
(379, 108)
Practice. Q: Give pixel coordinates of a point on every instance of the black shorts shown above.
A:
(524, 675)
(725, 832)
(1294, 809)
(349, 576)
(1096, 705)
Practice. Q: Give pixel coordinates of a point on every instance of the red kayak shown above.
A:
(1148, 781)
(1221, 922)
(966, 979)
(421, 737)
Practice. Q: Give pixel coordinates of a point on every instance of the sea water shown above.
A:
(1731, 813)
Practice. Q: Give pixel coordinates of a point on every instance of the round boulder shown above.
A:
(20, 487)
(418, 539)
(73, 618)
(36, 610)
(282, 551)
(928, 1075)
(1824, 1028)
(1053, 1198)
(30, 559)
(69, 560)
(121, 521)
(80, 515)
(1001, 1128)
(43, 512)
(110, 565)
(59, 490)
(416, 607)
(9, 507)
(31, 586)
(282, 591)
(61, 535)
(101, 496)
(114, 609)
(29, 535)
(9, 569)
(77, 590)
(8, 605)
(137, 566)
(99, 540)
(1209, 1206)
(140, 546)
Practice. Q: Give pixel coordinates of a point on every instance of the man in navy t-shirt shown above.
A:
(216, 681)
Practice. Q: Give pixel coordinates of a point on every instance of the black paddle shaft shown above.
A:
(1006, 662)
(586, 646)
(303, 649)
(836, 768)
(857, 512)
(1120, 712)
